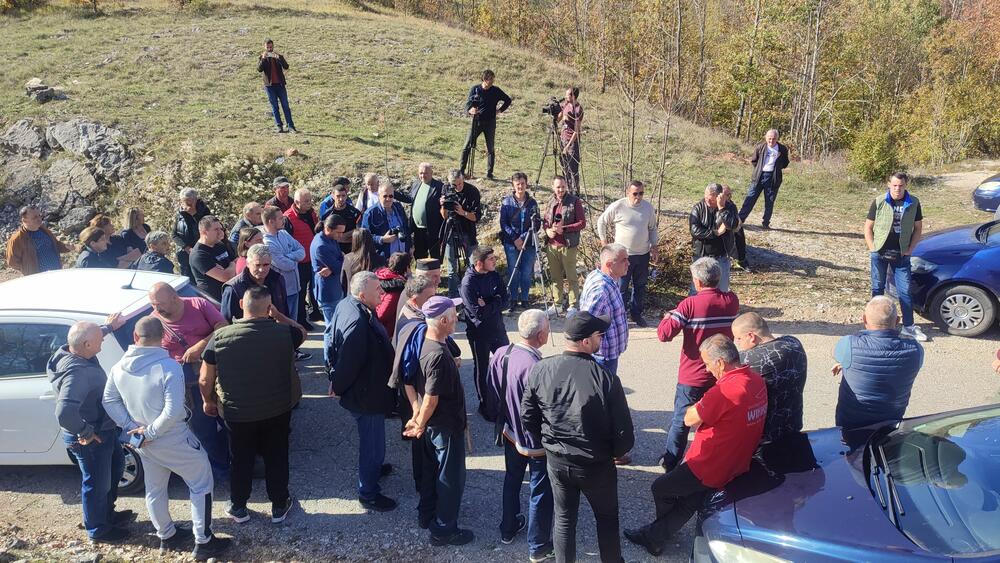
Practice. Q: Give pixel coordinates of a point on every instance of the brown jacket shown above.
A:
(21, 251)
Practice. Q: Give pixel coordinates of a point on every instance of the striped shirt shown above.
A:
(700, 316)
(602, 296)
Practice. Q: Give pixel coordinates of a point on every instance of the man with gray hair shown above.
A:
(712, 222)
(878, 366)
(360, 360)
(155, 259)
(508, 376)
(768, 160)
(387, 222)
(728, 422)
(425, 213)
(461, 208)
(251, 218)
(144, 395)
(708, 312)
(601, 296)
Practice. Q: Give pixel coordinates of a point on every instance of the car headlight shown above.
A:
(920, 266)
(733, 553)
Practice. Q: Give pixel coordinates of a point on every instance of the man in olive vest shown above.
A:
(248, 376)
(892, 231)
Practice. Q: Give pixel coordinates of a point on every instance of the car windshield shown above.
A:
(124, 333)
(945, 477)
(987, 232)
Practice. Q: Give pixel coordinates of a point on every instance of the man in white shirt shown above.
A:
(634, 221)
(769, 158)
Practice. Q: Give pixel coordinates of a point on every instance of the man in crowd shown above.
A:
(368, 196)
(155, 259)
(145, 396)
(257, 273)
(210, 260)
(360, 359)
(728, 422)
(281, 186)
(581, 442)
(272, 66)
(712, 222)
(708, 312)
(441, 425)
(509, 373)
(189, 323)
(563, 221)
(327, 263)
(892, 230)
(518, 213)
(89, 433)
(485, 297)
(878, 366)
(462, 213)
(33, 248)
(185, 234)
(601, 296)
(301, 221)
(768, 160)
(781, 361)
(387, 222)
(248, 377)
(250, 218)
(634, 222)
(285, 255)
(425, 213)
(339, 204)
(419, 288)
(570, 120)
(482, 106)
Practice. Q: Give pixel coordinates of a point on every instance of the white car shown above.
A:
(36, 313)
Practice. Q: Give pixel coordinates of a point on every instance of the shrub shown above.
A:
(875, 152)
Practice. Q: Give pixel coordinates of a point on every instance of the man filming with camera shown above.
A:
(571, 121)
(482, 106)
(460, 209)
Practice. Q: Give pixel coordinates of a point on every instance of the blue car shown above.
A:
(986, 196)
(924, 489)
(956, 278)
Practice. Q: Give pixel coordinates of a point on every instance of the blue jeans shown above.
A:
(211, 431)
(277, 93)
(638, 276)
(610, 365)
(371, 453)
(765, 185)
(677, 436)
(520, 279)
(901, 277)
(101, 466)
(327, 326)
(454, 275)
(293, 306)
(448, 449)
(539, 499)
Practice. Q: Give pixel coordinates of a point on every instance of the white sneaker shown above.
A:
(571, 311)
(914, 332)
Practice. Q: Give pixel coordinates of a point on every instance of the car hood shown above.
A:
(813, 495)
(953, 242)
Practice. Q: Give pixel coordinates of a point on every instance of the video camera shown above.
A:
(450, 198)
(553, 107)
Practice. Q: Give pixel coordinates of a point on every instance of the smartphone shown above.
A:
(136, 440)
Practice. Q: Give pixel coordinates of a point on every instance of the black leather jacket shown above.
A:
(186, 226)
(704, 222)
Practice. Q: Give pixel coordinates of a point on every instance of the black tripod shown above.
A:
(451, 235)
(551, 140)
(532, 237)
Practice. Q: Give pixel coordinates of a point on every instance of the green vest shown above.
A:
(883, 222)
(254, 370)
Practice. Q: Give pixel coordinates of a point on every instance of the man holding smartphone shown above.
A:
(273, 65)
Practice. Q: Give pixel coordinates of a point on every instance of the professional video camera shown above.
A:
(449, 197)
(553, 107)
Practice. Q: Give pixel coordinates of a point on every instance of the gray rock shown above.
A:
(96, 142)
(40, 92)
(24, 138)
(77, 219)
(65, 184)
(91, 557)
(20, 181)
(34, 85)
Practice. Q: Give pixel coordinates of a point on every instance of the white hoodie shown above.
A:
(146, 388)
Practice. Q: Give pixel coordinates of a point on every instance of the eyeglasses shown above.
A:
(388, 197)
(638, 193)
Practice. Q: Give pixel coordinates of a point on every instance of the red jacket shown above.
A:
(301, 230)
(704, 314)
(393, 285)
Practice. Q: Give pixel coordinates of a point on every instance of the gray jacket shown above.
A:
(286, 253)
(79, 385)
(146, 388)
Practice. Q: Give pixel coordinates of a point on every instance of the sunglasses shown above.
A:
(638, 193)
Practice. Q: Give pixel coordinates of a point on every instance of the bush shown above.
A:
(875, 152)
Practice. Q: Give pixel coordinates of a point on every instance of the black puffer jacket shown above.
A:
(705, 221)
(186, 225)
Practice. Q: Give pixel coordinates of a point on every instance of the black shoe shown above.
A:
(302, 356)
(640, 322)
(280, 129)
(123, 517)
(279, 513)
(211, 549)
(115, 535)
(386, 470)
(239, 514)
(181, 540)
(667, 462)
(380, 503)
(424, 522)
(638, 537)
(766, 226)
(508, 538)
(489, 176)
(460, 537)
(308, 326)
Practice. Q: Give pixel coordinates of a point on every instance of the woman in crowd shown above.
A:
(249, 236)
(118, 248)
(94, 250)
(362, 257)
(393, 281)
(136, 229)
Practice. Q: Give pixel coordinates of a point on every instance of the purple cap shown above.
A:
(438, 305)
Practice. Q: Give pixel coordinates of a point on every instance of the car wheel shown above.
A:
(131, 481)
(963, 310)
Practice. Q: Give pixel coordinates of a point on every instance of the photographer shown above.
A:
(571, 121)
(460, 208)
(482, 106)
(272, 65)
(387, 222)
(518, 213)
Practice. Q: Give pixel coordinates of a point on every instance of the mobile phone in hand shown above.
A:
(137, 440)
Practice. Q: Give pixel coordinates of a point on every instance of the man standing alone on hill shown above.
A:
(482, 106)
(272, 64)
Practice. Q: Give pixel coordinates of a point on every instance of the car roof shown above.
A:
(98, 291)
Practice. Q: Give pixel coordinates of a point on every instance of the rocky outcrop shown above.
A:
(92, 141)
(25, 139)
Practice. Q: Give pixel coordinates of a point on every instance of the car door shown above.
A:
(27, 401)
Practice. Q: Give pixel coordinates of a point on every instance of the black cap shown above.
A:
(280, 180)
(583, 324)
(428, 264)
(341, 181)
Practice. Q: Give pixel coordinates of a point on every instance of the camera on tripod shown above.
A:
(449, 198)
(553, 107)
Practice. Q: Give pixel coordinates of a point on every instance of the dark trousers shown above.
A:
(306, 295)
(276, 94)
(599, 483)
(269, 438)
(211, 432)
(488, 128)
(371, 453)
(570, 162)
(677, 435)
(482, 347)
(539, 498)
(444, 459)
(741, 247)
(677, 496)
(101, 465)
(425, 244)
(638, 277)
(466, 243)
(184, 263)
(765, 184)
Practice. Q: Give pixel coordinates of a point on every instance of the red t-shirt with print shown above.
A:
(732, 414)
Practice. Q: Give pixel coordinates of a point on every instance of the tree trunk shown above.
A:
(748, 70)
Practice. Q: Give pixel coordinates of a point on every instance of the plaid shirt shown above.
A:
(602, 296)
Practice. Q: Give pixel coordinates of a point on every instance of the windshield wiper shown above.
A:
(895, 506)
(870, 451)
